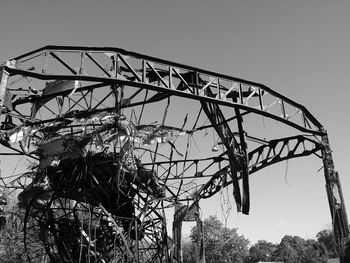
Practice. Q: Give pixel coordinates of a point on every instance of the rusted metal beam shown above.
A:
(335, 199)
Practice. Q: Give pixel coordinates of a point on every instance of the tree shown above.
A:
(314, 252)
(294, 249)
(222, 244)
(12, 248)
(288, 250)
(261, 251)
(327, 238)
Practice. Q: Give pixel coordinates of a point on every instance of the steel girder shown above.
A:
(225, 90)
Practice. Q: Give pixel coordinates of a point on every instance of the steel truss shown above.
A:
(134, 106)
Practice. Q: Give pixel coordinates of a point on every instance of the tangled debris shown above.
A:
(79, 174)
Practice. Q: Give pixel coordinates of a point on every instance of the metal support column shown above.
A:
(200, 246)
(188, 214)
(335, 199)
(177, 231)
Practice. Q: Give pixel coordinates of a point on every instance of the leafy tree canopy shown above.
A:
(261, 251)
(222, 244)
(294, 249)
(327, 238)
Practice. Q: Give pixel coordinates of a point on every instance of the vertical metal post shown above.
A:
(200, 246)
(335, 199)
(244, 164)
(177, 229)
(167, 243)
(137, 240)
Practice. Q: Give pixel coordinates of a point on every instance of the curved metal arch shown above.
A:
(134, 69)
(273, 152)
(72, 65)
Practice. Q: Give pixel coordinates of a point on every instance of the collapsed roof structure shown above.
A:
(115, 138)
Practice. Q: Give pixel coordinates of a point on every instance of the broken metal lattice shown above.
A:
(116, 138)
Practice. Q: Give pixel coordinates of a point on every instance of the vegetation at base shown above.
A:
(11, 237)
(223, 245)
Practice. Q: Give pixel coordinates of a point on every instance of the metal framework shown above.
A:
(188, 131)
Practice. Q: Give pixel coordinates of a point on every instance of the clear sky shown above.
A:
(299, 48)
